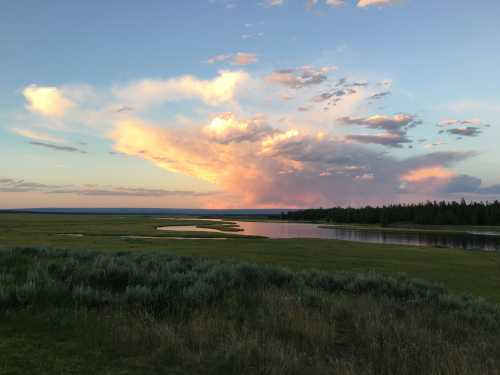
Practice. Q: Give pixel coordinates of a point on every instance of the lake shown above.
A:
(474, 240)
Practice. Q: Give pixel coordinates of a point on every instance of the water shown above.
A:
(476, 240)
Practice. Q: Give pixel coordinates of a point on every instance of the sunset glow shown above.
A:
(289, 104)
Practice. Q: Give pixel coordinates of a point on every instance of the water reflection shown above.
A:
(476, 240)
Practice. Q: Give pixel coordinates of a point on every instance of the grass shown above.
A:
(461, 271)
(150, 312)
(112, 305)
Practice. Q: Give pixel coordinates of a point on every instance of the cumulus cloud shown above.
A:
(225, 128)
(219, 90)
(289, 167)
(281, 159)
(46, 101)
(298, 78)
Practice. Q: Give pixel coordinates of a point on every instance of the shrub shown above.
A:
(160, 281)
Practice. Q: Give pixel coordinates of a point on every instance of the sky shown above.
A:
(248, 103)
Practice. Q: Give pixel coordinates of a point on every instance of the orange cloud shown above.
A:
(422, 174)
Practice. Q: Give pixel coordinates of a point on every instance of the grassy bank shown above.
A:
(86, 312)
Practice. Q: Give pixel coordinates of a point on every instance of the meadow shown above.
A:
(477, 273)
(111, 305)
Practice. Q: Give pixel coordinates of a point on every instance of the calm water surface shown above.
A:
(476, 240)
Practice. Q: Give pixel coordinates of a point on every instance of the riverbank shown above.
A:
(414, 228)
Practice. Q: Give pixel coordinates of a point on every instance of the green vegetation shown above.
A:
(430, 213)
(461, 271)
(245, 305)
(83, 312)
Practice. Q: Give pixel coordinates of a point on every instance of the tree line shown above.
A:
(428, 213)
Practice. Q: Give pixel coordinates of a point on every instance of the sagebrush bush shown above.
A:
(161, 282)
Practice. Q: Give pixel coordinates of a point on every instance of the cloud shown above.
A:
(218, 58)
(9, 185)
(464, 184)
(57, 147)
(243, 58)
(297, 78)
(395, 128)
(131, 192)
(337, 94)
(365, 177)
(392, 124)
(274, 3)
(463, 128)
(422, 174)
(225, 128)
(335, 3)
(469, 131)
(368, 3)
(240, 58)
(435, 144)
(282, 158)
(384, 139)
(289, 167)
(219, 90)
(46, 101)
(380, 95)
(36, 135)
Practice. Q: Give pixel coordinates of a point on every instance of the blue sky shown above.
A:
(118, 103)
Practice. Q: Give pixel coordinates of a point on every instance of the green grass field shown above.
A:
(461, 271)
(116, 306)
(81, 312)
